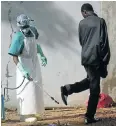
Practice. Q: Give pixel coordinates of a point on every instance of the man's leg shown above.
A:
(94, 93)
(74, 88)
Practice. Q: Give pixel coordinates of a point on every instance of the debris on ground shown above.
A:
(105, 101)
(64, 117)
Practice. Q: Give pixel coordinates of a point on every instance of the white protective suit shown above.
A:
(29, 95)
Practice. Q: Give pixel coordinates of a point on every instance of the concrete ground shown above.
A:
(64, 117)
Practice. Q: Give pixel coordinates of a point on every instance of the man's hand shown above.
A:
(28, 77)
(44, 61)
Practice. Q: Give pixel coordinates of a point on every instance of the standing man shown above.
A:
(25, 49)
(95, 57)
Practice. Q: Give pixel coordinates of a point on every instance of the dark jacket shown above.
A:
(93, 38)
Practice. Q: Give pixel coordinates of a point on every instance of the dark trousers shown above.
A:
(92, 82)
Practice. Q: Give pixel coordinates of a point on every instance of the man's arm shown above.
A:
(103, 47)
(39, 50)
(43, 58)
(15, 50)
(15, 59)
(20, 67)
(79, 34)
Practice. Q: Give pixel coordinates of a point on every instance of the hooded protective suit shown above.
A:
(24, 45)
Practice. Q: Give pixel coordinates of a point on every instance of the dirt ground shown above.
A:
(64, 117)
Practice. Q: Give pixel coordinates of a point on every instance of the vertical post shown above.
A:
(7, 75)
(2, 108)
(7, 82)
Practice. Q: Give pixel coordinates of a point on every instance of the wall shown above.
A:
(57, 23)
(109, 14)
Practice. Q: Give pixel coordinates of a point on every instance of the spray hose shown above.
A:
(13, 88)
(52, 98)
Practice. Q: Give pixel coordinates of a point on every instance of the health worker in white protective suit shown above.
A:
(25, 49)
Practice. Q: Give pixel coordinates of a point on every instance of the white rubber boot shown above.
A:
(31, 119)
